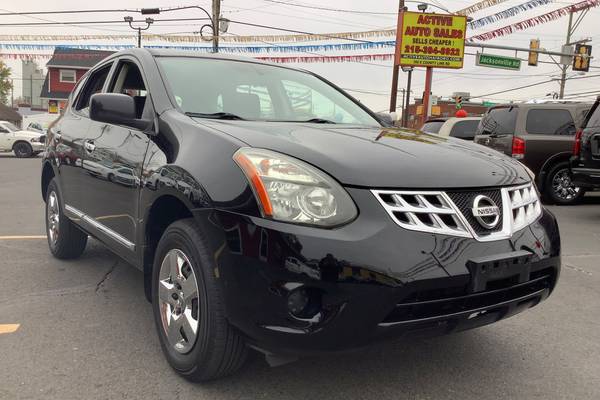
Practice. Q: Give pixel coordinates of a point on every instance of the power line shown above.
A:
(531, 85)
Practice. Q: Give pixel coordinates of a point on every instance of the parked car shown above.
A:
(585, 163)
(291, 221)
(541, 137)
(461, 128)
(22, 143)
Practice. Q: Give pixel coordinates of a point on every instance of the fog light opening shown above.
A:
(304, 303)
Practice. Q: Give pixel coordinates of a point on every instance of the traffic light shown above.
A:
(534, 44)
(458, 100)
(581, 63)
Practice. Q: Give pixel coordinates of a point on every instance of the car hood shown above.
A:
(381, 157)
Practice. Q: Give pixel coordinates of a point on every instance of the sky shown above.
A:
(373, 77)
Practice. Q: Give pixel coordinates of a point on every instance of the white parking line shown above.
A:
(8, 328)
(22, 237)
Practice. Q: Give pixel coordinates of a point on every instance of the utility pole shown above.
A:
(216, 13)
(396, 69)
(31, 91)
(563, 75)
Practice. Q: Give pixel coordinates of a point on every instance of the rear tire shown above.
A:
(194, 333)
(65, 239)
(559, 188)
(22, 150)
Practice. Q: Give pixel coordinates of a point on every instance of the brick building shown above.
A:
(65, 68)
(444, 108)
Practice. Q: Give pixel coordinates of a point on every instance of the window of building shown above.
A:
(67, 75)
(550, 122)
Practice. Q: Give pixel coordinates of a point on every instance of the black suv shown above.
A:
(270, 210)
(585, 163)
(541, 137)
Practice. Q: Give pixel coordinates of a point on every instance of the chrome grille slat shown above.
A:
(410, 212)
(520, 207)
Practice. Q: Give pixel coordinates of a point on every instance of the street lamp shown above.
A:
(149, 21)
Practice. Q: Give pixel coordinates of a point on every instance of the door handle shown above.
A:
(89, 146)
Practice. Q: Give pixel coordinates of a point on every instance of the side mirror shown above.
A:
(117, 109)
(387, 119)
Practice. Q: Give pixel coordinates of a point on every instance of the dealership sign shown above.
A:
(432, 40)
(495, 61)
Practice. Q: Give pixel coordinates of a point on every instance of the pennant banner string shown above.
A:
(540, 19)
(479, 6)
(197, 39)
(287, 59)
(509, 12)
(225, 49)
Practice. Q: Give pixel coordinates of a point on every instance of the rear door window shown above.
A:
(464, 129)
(499, 121)
(432, 126)
(550, 122)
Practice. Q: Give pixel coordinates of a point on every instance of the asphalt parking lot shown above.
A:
(85, 330)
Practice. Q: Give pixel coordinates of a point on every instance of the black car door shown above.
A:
(68, 136)
(117, 152)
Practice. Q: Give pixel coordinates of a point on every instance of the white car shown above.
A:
(22, 143)
(462, 128)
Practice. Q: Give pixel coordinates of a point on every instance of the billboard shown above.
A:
(432, 40)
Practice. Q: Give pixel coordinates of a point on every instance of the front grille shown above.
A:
(441, 308)
(423, 211)
(451, 213)
(525, 206)
(464, 202)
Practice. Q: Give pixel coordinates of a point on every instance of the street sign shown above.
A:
(495, 61)
(432, 40)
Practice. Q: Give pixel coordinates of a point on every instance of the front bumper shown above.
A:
(586, 177)
(37, 147)
(375, 279)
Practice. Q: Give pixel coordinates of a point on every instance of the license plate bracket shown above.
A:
(488, 269)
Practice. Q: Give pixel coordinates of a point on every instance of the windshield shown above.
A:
(10, 127)
(432, 126)
(216, 88)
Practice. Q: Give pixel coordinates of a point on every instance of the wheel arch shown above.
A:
(164, 210)
(549, 164)
(47, 175)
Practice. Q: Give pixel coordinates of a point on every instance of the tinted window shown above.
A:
(499, 121)
(593, 120)
(464, 129)
(550, 122)
(93, 85)
(432, 126)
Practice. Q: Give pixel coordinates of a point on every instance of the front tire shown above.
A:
(188, 307)
(22, 150)
(559, 188)
(65, 239)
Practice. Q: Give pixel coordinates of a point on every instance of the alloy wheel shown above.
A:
(563, 186)
(53, 216)
(178, 301)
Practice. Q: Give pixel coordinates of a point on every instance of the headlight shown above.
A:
(293, 191)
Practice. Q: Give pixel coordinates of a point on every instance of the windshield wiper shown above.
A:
(319, 121)
(217, 115)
